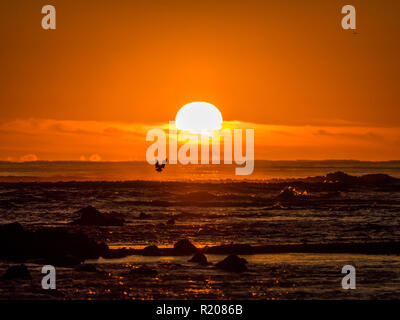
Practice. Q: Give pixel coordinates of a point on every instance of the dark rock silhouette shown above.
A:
(378, 178)
(230, 249)
(51, 246)
(151, 251)
(12, 237)
(90, 216)
(17, 272)
(199, 258)
(369, 179)
(144, 215)
(60, 260)
(342, 177)
(143, 271)
(185, 247)
(11, 229)
(120, 253)
(87, 268)
(290, 193)
(53, 242)
(232, 263)
(345, 179)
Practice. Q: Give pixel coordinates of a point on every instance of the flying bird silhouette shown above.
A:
(160, 167)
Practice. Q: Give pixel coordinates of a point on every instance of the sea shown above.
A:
(210, 205)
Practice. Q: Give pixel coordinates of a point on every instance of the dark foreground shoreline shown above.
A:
(374, 248)
(174, 240)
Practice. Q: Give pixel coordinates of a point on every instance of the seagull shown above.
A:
(160, 167)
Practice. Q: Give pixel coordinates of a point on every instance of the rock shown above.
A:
(88, 211)
(199, 258)
(171, 222)
(372, 179)
(185, 247)
(232, 263)
(17, 272)
(289, 193)
(86, 268)
(118, 253)
(59, 242)
(151, 251)
(341, 177)
(377, 179)
(12, 242)
(230, 249)
(55, 245)
(144, 215)
(61, 260)
(143, 271)
(90, 216)
(11, 229)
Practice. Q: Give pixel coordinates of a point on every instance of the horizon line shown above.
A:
(269, 160)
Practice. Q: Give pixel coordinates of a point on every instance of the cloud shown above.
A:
(69, 127)
(352, 135)
(28, 157)
(95, 157)
(50, 139)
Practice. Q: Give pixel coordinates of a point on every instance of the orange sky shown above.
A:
(113, 69)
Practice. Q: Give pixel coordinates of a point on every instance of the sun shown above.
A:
(199, 117)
